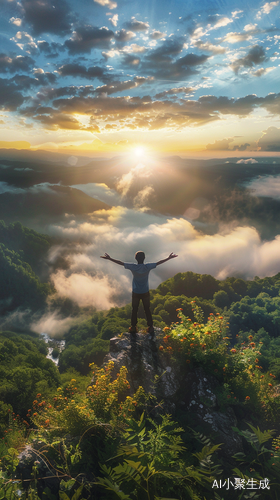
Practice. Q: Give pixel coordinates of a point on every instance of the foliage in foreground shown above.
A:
(100, 445)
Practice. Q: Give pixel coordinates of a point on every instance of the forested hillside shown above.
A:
(22, 252)
(84, 420)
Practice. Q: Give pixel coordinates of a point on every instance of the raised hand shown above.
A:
(172, 255)
(105, 256)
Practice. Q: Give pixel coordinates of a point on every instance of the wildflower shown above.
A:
(247, 397)
(252, 344)
(270, 385)
(233, 351)
(221, 317)
(166, 328)
(47, 421)
(228, 396)
(161, 347)
(180, 309)
(188, 360)
(250, 337)
(38, 395)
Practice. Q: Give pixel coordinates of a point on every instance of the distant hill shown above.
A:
(42, 202)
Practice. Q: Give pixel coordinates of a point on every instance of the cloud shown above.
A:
(156, 35)
(234, 37)
(50, 50)
(270, 140)
(87, 37)
(25, 82)
(77, 70)
(256, 55)
(10, 97)
(16, 63)
(266, 8)
(262, 71)
(100, 192)
(123, 35)
(221, 22)
(224, 145)
(116, 87)
(141, 201)
(266, 186)
(7, 188)
(135, 174)
(85, 289)
(114, 19)
(134, 47)
(54, 120)
(16, 20)
(44, 187)
(121, 232)
(127, 112)
(47, 16)
(136, 26)
(52, 324)
(210, 47)
(107, 3)
(248, 161)
(163, 63)
(175, 91)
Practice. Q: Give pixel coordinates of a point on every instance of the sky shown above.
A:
(102, 76)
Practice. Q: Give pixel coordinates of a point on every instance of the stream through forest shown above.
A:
(55, 347)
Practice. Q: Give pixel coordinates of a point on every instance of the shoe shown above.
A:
(150, 330)
(133, 329)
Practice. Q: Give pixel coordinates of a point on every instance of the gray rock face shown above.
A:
(193, 392)
(46, 474)
(201, 399)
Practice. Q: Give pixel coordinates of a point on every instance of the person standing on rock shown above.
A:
(140, 286)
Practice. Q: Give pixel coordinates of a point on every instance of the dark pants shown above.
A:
(145, 297)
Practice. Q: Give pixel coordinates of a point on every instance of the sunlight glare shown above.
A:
(139, 151)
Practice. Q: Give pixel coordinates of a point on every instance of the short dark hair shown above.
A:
(140, 257)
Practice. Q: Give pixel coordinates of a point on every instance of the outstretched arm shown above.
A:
(107, 257)
(171, 256)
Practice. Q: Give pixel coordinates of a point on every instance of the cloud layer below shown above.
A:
(121, 232)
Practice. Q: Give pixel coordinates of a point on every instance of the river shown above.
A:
(54, 343)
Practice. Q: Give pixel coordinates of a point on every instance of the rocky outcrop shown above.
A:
(192, 391)
(46, 474)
